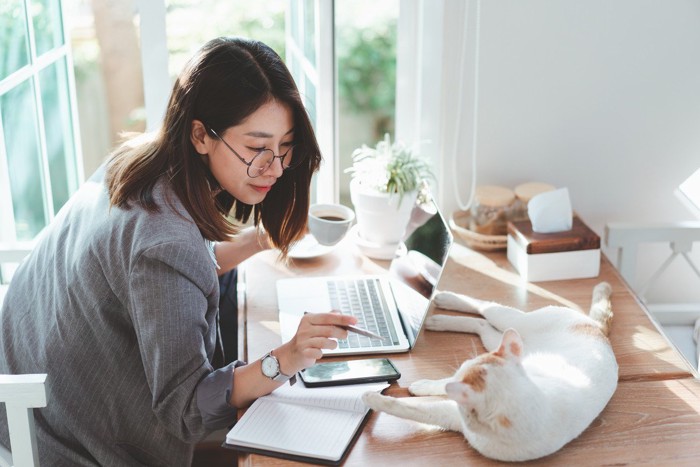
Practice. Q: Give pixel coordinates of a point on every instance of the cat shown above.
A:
(546, 376)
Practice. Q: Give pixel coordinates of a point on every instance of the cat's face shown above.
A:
(479, 383)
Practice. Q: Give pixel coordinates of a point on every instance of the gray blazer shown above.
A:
(119, 307)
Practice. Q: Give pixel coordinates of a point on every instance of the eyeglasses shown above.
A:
(264, 159)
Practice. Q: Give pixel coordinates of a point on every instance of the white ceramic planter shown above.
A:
(380, 218)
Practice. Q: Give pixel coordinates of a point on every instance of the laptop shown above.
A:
(393, 305)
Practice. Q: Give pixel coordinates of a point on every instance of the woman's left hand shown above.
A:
(245, 244)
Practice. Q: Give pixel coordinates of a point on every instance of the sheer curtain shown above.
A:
(437, 91)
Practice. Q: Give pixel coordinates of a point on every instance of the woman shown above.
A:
(118, 302)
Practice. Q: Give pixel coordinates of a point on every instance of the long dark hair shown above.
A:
(227, 80)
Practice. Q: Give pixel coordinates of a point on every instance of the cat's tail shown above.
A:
(601, 309)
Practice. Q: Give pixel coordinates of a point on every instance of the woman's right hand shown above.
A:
(316, 331)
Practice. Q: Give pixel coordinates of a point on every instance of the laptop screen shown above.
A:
(415, 274)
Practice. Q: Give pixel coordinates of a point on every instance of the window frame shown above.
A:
(321, 73)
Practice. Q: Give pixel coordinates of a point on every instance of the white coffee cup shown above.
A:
(329, 223)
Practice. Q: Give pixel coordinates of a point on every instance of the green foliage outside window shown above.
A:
(191, 23)
(367, 71)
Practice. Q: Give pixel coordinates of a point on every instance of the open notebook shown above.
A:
(316, 425)
(393, 305)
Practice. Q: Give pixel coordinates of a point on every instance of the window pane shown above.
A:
(294, 13)
(366, 58)
(296, 70)
(309, 31)
(14, 48)
(58, 127)
(310, 99)
(23, 159)
(48, 30)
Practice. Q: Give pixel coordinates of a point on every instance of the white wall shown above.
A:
(599, 96)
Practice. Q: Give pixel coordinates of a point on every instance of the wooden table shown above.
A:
(653, 418)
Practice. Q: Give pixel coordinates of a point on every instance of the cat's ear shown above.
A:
(511, 345)
(458, 392)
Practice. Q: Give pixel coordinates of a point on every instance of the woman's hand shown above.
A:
(316, 332)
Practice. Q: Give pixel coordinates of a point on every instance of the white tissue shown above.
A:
(551, 211)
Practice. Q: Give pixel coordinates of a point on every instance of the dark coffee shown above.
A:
(332, 218)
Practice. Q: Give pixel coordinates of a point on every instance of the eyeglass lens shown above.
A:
(264, 159)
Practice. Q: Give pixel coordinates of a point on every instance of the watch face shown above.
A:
(270, 367)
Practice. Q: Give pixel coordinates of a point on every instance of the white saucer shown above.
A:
(375, 250)
(308, 247)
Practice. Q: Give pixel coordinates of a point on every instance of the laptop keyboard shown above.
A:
(362, 298)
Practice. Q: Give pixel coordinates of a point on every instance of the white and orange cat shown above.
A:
(546, 377)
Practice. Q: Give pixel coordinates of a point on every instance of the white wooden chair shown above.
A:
(21, 394)
(627, 238)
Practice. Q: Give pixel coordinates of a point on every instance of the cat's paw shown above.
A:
(427, 387)
(453, 301)
(376, 401)
(439, 323)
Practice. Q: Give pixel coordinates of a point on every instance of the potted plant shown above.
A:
(386, 182)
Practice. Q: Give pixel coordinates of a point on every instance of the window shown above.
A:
(39, 158)
(309, 56)
(365, 51)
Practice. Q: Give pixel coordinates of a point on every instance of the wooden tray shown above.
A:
(459, 223)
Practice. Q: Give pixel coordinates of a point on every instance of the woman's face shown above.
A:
(271, 126)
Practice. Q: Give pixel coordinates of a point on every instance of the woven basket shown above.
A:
(459, 223)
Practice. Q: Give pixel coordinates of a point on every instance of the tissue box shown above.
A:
(572, 254)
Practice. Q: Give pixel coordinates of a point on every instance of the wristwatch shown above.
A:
(271, 368)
